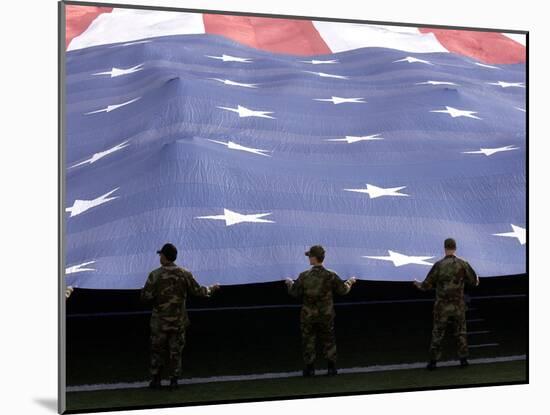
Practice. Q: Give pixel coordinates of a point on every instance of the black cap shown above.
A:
(449, 243)
(316, 251)
(169, 251)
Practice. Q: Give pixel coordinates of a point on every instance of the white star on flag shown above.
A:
(339, 100)
(436, 83)
(507, 84)
(350, 139)
(234, 146)
(110, 108)
(232, 218)
(319, 62)
(491, 151)
(229, 58)
(520, 109)
(245, 112)
(375, 191)
(80, 206)
(102, 154)
(228, 82)
(453, 112)
(137, 42)
(401, 259)
(79, 268)
(412, 59)
(517, 232)
(114, 72)
(327, 75)
(486, 66)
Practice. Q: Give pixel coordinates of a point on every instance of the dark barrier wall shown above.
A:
(85, 301)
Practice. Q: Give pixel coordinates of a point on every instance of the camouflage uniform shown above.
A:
(167, 287)
(316, 286)
(448, 277)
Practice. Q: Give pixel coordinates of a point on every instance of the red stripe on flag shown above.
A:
(295, 37)
(488, 47)
(79, 18)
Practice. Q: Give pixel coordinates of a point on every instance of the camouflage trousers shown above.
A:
(322, 330)
(457, 323)
(166, 350)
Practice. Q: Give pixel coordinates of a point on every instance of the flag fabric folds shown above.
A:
(243, 158)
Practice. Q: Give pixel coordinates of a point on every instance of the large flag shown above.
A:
(244, 140)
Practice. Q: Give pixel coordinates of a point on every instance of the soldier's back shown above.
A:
(451, 280)
(318, 292)
(170, 291)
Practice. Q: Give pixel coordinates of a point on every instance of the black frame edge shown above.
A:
(527, 200)
(61, 309)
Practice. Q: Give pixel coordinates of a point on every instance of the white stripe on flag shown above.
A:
(346, 36)
(521, 39)
(126, 25)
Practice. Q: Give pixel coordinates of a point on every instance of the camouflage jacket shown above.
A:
(448, 277)
(167, 288)
(316, 287)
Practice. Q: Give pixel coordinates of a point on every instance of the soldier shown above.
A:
(316, 287)
(167, 288)
(448, 277)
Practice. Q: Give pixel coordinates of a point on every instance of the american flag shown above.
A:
(244, 140)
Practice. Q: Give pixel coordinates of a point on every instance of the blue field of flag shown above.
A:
(244, 158)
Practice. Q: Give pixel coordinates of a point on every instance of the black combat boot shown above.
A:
(155, 382)
(432, 365)
(464, 363)
(173, 383)
(332, 371)
(309, 370)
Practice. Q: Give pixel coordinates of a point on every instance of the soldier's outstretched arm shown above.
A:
(342, 287)
(295, 288)
(199, 290)
(430, 280)
(68, 291)
(472, 278)
(148, 291)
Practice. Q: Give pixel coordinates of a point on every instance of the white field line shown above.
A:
(237, 378)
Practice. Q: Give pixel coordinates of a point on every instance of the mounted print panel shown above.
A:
(227, 145)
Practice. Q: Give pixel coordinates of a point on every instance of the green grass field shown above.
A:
(294, 387)
(222, 343)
